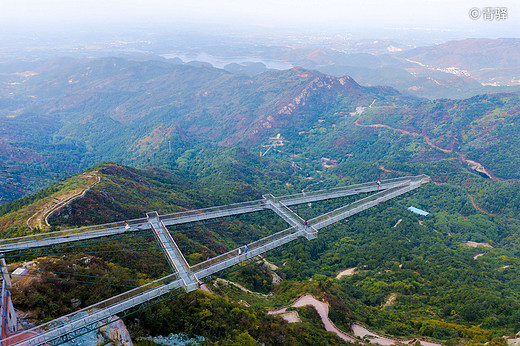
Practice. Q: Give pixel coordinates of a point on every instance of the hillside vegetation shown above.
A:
(442, 289)
(113, 109)
(452, 275)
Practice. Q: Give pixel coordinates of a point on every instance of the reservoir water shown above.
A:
(220, 62)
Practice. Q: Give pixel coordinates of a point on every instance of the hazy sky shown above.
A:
(370, 14)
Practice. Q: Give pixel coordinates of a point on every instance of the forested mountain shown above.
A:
(115, 109)
(482, 128)
(441, 287)
(454, 69)
(452, 275)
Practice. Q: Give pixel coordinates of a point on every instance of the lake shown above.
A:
(220, 62)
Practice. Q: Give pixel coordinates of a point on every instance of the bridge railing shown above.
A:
(133, 224)
(189, 213)
(153, 289)
(282, 208)
(174, 244)
(318, 221)
(250, 246)
(354, 187)
(113, 301)
(292, 213)
(138, 224)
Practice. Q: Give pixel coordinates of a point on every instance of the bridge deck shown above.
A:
(111, 229)
(172, 252)
(53, 332)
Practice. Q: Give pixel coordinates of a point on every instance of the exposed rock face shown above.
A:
(117, 333)
(114, 333)
(514, 341)
(319, 83)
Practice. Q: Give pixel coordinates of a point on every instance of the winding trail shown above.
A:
(381, 167)
(323, 311)
(41, 217)
(414, 134)
(481, 169)
(239, 286)
(375, 338)
(476, 165)
(479, 208)
(346, 272)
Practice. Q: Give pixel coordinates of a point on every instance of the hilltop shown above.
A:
(415, 275)
(204, 177)
(480, 129)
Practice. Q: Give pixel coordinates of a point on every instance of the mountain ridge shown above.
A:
(112, 109)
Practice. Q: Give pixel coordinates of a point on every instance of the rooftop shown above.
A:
(418, 211)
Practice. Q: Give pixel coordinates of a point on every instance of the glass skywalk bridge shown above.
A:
(185, 277)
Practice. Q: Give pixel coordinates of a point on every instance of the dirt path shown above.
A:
(41, 217)
(414, 134)
(476, 165)
(323, 310)
(360, 331)
(479, 208)
(481, 169)
(475, 244)
(375, 338)
(242, 288)
(346, 272)
(390, 170)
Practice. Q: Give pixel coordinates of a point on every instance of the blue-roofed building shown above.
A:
(418, 211)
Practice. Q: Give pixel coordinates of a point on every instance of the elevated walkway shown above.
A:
(289, 216)
(170, 249)
(115, 228)
(186, 277)
(343, 191)
(77, 323)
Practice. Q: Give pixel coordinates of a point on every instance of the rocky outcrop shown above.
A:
(116, 332)
(319, 83)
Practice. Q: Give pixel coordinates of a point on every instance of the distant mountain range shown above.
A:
(482, 128)
(489, 61)
(188, 136)
(207, 102)
(63, 115)
(455, 69)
